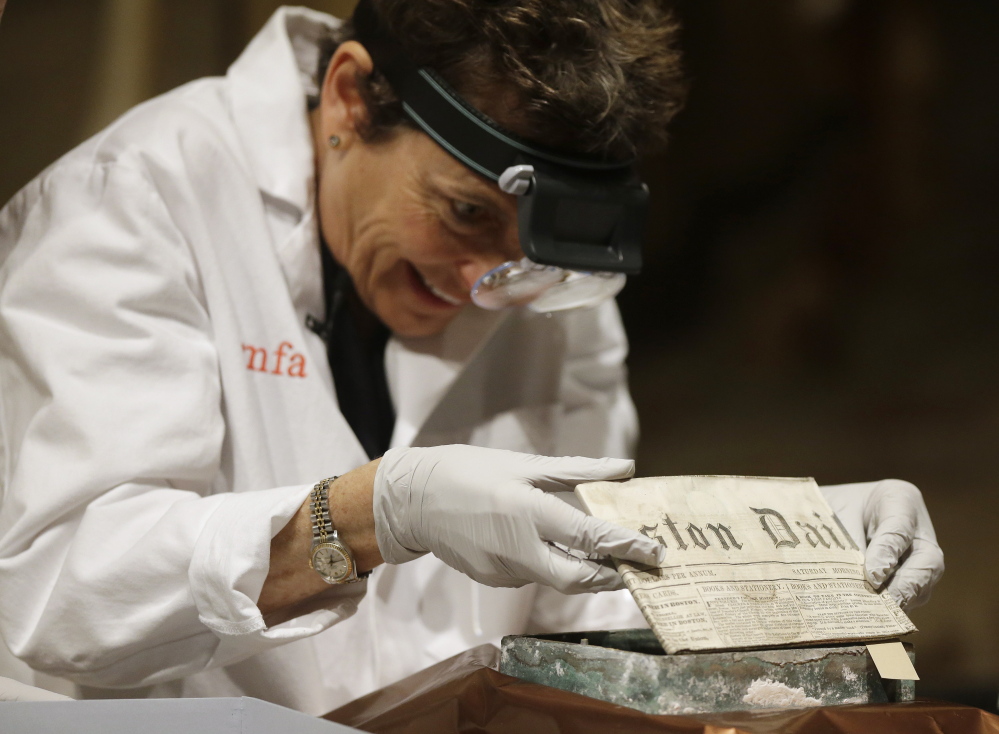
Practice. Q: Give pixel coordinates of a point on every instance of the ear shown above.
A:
(341, 106)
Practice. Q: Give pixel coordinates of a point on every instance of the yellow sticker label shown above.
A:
(892, 661)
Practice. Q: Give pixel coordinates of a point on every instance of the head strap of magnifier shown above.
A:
(575, 212)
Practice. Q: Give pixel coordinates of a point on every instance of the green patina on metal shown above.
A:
(629, 667)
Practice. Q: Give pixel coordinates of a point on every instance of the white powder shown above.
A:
(766, 693)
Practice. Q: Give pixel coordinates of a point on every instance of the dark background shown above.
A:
(819, 297)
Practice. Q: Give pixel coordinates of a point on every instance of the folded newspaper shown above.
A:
(751, 562)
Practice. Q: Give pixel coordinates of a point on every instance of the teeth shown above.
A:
(439, 293)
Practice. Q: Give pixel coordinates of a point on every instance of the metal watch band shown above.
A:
(322, 526)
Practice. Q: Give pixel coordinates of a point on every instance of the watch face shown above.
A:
(331, 562)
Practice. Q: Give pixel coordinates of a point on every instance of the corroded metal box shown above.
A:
(629, 667)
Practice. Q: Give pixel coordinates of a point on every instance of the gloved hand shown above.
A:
(489, 514)
(890, 520)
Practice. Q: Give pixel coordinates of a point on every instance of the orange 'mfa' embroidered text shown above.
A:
(257, 360)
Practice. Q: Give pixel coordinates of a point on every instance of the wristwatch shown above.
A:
(330, 556)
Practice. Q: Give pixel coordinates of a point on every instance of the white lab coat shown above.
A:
(164, 410)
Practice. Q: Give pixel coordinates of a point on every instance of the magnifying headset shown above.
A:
(579, 219)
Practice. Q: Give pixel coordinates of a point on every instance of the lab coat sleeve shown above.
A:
(123, 559)
(598, 419)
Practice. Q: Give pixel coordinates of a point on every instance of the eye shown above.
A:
(466, 210)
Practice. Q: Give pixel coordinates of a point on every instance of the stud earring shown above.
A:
(334, 141)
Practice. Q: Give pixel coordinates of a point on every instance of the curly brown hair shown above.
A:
(599, 77)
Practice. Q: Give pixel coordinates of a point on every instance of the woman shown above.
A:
(193, 314)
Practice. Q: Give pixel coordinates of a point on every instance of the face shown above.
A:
(414, 227)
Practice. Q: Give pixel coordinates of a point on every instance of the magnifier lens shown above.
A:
(514, 284)
(543, 288)
(579, 290)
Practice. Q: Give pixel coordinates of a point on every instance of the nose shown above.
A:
(471, 270)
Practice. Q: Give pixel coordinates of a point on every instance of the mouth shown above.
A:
(429, 290)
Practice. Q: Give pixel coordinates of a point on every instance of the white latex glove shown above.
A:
(889, 519)
(489, 514)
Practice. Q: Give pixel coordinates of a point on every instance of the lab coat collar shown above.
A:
(270, 83)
